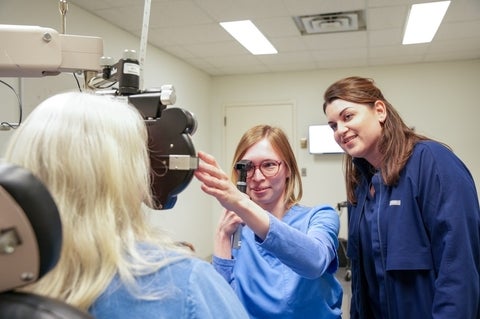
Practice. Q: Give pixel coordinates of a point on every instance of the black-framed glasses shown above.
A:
(269, 168)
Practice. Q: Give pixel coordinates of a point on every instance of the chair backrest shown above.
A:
(30, 245)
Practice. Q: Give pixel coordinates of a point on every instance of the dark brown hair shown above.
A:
(397, 140)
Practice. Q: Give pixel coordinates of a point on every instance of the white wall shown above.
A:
(439, 99)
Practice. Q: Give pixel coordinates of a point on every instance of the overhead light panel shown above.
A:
(423, 21)
(249, 36)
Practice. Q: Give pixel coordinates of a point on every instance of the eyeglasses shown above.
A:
(269, 168)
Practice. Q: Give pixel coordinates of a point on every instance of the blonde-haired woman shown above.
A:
(287, 259)
(91, 153)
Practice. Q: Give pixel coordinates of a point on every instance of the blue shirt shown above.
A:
(424, 233)
(193, 289)
(368, 221)
(291, 273)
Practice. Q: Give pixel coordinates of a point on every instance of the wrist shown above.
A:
(222, 245)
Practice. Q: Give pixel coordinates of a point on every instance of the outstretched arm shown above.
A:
(216, 182)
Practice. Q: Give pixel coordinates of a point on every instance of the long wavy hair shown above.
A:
(279, 141)
(396, 142)
(91, 153)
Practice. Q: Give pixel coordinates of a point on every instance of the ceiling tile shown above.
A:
(386, 18)
(303, 7)
(336, 40)
(180, 13)
(385, 37)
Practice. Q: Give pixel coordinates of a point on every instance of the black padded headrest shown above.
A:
(40, 209)
(30, 238)
(16, 305)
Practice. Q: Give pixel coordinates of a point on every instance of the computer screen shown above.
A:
(321, 141)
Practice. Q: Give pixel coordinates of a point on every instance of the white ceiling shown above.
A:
(189, 30)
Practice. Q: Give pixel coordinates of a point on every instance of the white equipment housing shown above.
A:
(33, 51)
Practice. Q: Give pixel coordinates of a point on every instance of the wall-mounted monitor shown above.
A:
(321, 141)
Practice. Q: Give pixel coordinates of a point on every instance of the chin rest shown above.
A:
(30, 245)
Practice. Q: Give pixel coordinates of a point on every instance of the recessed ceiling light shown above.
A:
(249, 36)
(423, 21)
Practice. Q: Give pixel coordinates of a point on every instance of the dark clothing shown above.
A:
(423, 255)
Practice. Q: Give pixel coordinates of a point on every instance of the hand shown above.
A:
(229, 223)
(217, 183)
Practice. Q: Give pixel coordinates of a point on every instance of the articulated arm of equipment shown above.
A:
(33, 51)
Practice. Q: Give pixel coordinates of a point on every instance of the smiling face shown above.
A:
(357, 128)
(267, 192)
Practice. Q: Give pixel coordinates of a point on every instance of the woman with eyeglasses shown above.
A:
(285, 265)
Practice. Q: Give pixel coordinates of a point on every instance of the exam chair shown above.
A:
(30, 244)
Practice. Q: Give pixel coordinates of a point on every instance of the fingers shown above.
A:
(209, 166)
(232, 217)
(209, 172)
(216, 182)
(207, 158)
(212, 180)
(229, 222)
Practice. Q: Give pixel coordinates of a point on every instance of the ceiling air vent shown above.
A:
(329, 22)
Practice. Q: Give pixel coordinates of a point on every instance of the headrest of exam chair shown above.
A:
(30, 244)
(30, 228)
